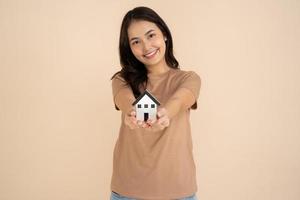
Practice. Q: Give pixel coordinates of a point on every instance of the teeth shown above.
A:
(150, 54)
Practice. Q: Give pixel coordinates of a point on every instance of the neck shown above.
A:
(157, 69)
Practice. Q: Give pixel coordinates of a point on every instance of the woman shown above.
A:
(153, 159)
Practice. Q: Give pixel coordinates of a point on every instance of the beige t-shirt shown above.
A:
(157, 165)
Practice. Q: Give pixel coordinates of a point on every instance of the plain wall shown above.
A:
(58, 125)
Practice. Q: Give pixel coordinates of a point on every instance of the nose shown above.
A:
(146, 46)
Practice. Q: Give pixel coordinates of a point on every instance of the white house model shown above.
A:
(146, 106)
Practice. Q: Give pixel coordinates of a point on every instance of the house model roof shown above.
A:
(149, 95)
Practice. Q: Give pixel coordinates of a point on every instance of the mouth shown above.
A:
(151, 54)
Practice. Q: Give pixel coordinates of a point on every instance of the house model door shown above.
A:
(146, 116)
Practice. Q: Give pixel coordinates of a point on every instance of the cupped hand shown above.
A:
(131, 121)
(161, 122)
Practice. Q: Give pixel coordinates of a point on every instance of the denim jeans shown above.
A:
(116, 196)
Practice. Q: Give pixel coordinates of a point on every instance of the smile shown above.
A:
(151, 54)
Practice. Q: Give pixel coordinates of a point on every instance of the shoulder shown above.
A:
(182, 75)
(117, 77)
(118, 82)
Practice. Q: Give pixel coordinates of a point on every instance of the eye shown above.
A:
(135, 42)
(151, 35)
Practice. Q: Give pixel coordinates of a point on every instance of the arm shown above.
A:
(185, 97)
(123, 98)
(182, 99)
(122, 95)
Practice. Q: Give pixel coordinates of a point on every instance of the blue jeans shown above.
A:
(116, 196)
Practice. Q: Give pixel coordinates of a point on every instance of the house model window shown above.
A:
(146, 106)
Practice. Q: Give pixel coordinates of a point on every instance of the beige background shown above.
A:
(58, 125)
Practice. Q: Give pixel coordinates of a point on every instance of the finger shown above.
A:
(163, 122)
(152, 128)
(144, 125)
(159, 127)
(133, 113)
(133, 121)
(161, 112)
(153, 121)
(166, 123)
(150, 122)
(160, 120)
(139, 122)
(131, 127)
(130, 124)
(156, 126)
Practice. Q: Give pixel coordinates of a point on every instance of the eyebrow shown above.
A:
(145, 34)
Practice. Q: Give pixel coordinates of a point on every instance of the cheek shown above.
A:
(136, 51)
(160, 43)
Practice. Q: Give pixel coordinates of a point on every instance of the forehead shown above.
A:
(139, 28)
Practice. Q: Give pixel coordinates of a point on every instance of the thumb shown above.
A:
(161, 112)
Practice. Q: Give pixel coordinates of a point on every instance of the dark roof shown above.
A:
(149, 95)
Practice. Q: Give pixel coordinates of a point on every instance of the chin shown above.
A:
(154, 62)
(151, 63)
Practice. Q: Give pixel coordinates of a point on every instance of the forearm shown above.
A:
(181, 100)
(124, 100)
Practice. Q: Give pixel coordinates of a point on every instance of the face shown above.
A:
(147, 42)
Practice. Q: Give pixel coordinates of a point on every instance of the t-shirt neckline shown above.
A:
(158, 76)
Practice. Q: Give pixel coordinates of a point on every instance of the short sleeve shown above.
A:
(118, 84)
(191, 81)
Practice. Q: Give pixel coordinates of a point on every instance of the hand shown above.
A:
(161, 122)
(131, 121)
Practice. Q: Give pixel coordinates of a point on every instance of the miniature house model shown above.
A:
(146, 106)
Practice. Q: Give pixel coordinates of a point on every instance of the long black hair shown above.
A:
(133, 71)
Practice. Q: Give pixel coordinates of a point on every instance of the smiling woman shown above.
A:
(147, 43)
(153, 159)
